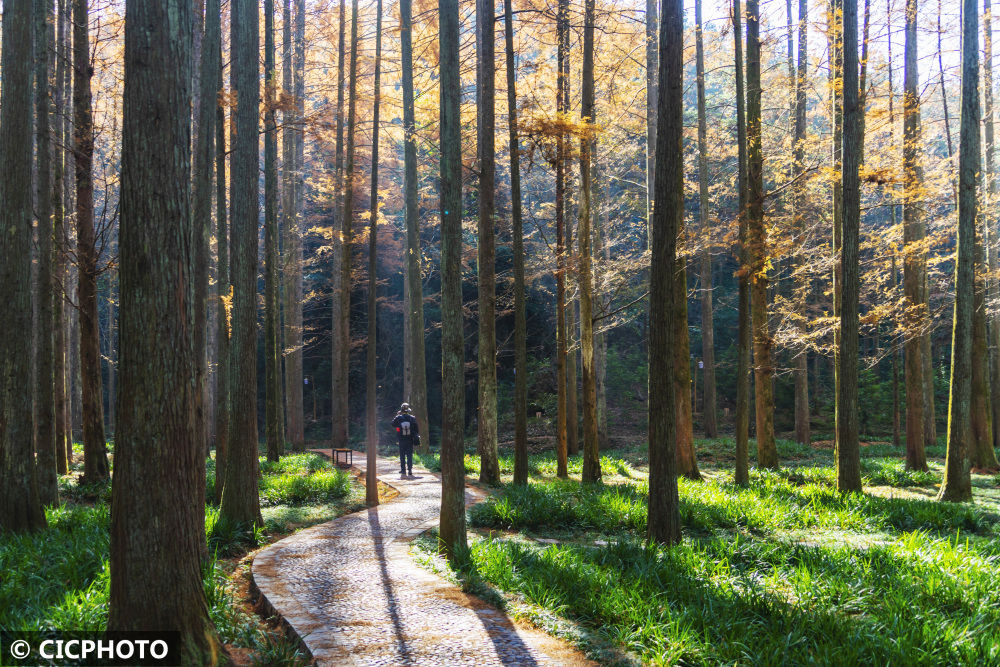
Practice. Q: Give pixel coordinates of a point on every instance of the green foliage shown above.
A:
(298, 489)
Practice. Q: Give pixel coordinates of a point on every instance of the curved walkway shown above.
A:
(353, 595)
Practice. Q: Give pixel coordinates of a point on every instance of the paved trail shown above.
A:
(351, 591)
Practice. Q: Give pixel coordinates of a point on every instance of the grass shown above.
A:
(58, 579)
(784, 571)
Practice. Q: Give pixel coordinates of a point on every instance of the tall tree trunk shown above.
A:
(562, 418)
(802, 430)
(572, 331)
(342, 366)
(687, 462)
(240, 499)
(59, 338)
(663, 524)
(338, 407)
(767, 453)
(415, 301)
(707, 324)
(957, 486)
(45, 408)
(95, 455)
(223, 287)
(835, 38)
(73, 399)
(371, 402)
(486, 251)
(914, 255)
(591, 451)
(452, 532)
(20, 508)
(848, 452)
(741, 473)
(273, 400)
(291, 225)
(993, 286)
(652, 95)
(520, 317)
(159, 453)
(896, 348)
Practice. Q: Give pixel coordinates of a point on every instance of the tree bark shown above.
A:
(452, 532)
(45, 407)
(767, 454)
(993, 286)
(520, 317)
(562, 418)
(486, 249)
(59, 338)
(159, 454)
(914, 255)
(95, 455)
(20, 508)
(240, 499)
(848, 451)
(741, 473)
(415, 301)
(273, 401)
(223, 287)
(371, 402)
(338, 407)
(802, 426)
(957, 486)
(663, 524)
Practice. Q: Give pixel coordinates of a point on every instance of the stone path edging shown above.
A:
(316, 582)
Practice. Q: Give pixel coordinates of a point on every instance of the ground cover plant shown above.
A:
(59, 578)
(785, 571)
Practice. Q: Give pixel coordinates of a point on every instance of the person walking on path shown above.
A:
(407, 434)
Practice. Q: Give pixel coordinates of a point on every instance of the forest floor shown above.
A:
(785, 571)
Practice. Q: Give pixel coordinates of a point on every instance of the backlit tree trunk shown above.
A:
(156, 528)
(802, 433)
(371, 402)
(993, 285)
(338, 407)
(562, 417)
(59, 286)
(741, 473)
(223, 288)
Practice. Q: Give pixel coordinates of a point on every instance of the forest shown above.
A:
(695, 307)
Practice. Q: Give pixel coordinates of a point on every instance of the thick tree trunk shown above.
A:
(956, 486)
(240, 499)
(20, 508)
(664, 524)
(562, 418)
(705, 271)
(486, 250)
(767, 453)
(159, 453)
(95, 455)
(371, 398)
(520, 317)
(741, 474)
(914, 255)
(848, 452)
(452, 532)
(273, 401)
(591, 451)
(415, 299)
(802, 430)
(45, 405)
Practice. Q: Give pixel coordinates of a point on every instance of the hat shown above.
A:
(405, 407)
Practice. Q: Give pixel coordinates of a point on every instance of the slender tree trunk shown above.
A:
(914, 255)
(848, 453)
(993, 286)
(20, 508)
(273, 401)
(341, 403)
(591, 451)
(664, 524)
(601, 342)
(60, 358)
(240, 499)
(802, 430)
(45, 408)
(95, 455)
(956, 486)
(767, 454)
(415, 301)
(741, 473)
(562, 418)
(223, 287)
(652, 95)
(111, 356)
(338, 407)
(896, 413)
(159, 453)
(707, 325)
(572, 332)
(371, 398)
(520, 317)
(73, 398)
(486, 255)
(687, 462)
(452, 532)
(835, 39)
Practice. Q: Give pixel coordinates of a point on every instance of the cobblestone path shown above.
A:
(351, 592)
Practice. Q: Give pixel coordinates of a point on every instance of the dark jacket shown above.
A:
(407, 429)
